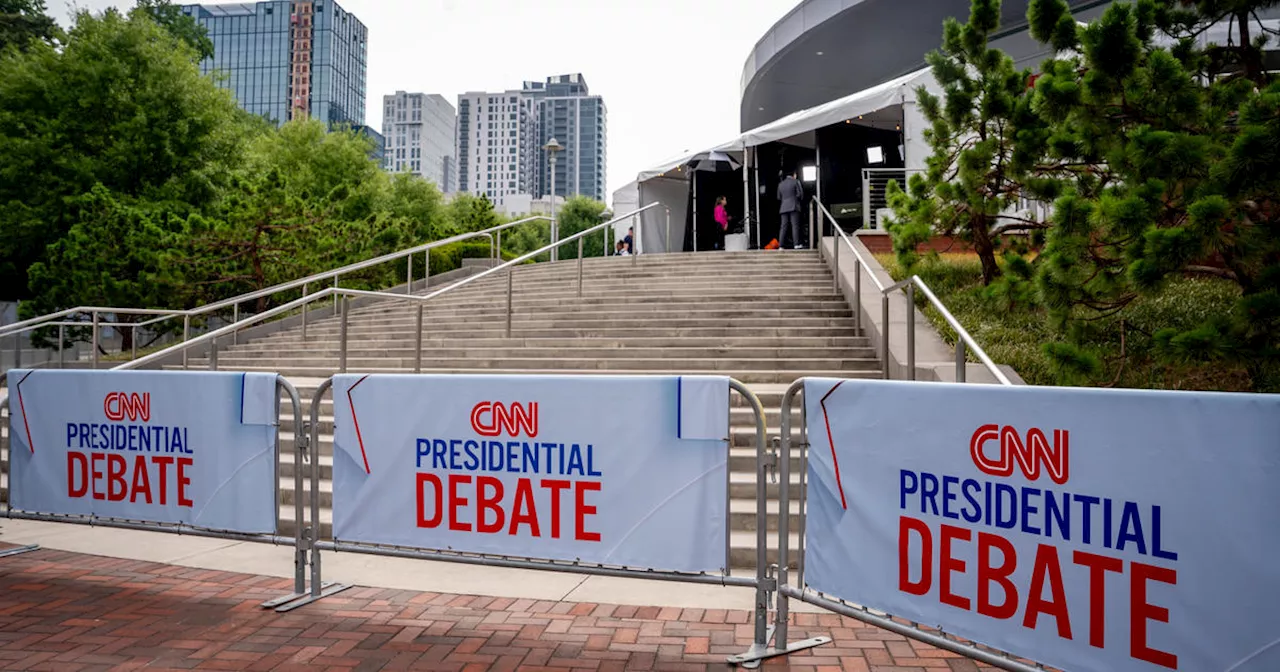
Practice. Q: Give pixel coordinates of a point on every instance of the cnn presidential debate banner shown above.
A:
(1090, 530)
(612, 470)
(166, 447)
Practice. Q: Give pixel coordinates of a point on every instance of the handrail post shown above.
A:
(235, 317)
(61, 339)
(668, 243)
(426, 263)
(509, 272)
(17, 350)
(95, 340)
(580, 267)
(835, 252)
(960, 360)
(408, 288)
(496, 249)
(186, 335)
(857, 296)
(305, 308)
(213, 354)
(813, 218)
(911, 331)
(417, 351)
(135, 341)
(342, 341)
(884, 333)
(336, 297)
(635, 240)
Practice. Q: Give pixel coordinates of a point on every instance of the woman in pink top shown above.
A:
(722, 218)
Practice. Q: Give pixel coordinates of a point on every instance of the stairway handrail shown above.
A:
(909, 284)
(339, 291)
(165, 314)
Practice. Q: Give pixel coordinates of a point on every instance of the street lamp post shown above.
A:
(552, 147)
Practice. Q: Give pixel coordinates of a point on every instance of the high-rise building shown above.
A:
(286, 59)
(419, 129)
(577, 120)
(500, 138)
(497, 144)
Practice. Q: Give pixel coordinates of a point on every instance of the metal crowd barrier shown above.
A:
(763, 582)
(300, 595)
(800, 591)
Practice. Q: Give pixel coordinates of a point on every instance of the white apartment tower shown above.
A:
(497, 144)
(419, 130)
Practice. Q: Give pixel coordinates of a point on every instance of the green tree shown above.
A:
(22, 21)
(971, 181)
(306, 201)
(1166, 161)
(467, 213)
(181, 26)
(114, 255)
(579, 214)
(121, 104)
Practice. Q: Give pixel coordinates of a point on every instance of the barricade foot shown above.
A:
(757, 654)
(326, 589)
(17, 550)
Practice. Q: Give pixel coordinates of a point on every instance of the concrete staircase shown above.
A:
(763, 318)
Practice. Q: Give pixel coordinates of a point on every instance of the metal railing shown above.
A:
(910, 285)
(94, 313)
(875, 183)
(341, 294)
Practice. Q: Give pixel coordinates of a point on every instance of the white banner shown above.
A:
(1089, 530)
(621, 471)
(163, 447)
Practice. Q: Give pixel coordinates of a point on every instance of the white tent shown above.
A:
(889, 103)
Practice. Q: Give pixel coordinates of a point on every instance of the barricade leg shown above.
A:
(300, 543)
(4, 408)
(766, 582)
(310, 534)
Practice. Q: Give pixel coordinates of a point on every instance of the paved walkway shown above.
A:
(67, 611)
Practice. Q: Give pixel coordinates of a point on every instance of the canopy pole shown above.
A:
(755, 153)
(817, 145)
(746, 188)
(693, 175)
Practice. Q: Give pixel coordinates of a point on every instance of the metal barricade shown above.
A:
(762, 582)
(300, 595)
(800, 591)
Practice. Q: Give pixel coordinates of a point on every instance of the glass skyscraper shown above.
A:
(286, 59)
(579, 121)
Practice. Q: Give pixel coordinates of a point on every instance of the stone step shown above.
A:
(786, 376)
(709, 311)
(587, 328)
(331, 349)
(620, 343)
(230, 361)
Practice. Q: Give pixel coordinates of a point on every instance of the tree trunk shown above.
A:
(1250, 57)
(126, 334)
(984, 246)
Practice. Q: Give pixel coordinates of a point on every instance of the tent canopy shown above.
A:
(797, 126)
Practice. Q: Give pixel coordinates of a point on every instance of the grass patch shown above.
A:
(1018, 337)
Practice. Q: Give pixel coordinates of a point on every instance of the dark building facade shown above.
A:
(288, 59)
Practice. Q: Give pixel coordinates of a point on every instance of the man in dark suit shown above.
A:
(791, 202)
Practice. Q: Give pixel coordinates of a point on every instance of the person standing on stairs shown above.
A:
(790, 199)
(722, 223)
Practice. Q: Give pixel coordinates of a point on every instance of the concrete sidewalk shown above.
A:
(69, 612)
(371, 570)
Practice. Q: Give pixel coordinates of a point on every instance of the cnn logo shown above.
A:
(1029, 454)
(493, 418)
(121, 405)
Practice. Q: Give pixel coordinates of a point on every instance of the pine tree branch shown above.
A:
(1212, 271)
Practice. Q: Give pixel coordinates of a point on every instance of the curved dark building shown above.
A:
(826, 49)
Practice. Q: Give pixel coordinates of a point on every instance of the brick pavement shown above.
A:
(66, 611)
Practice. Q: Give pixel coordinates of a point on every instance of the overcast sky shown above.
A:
(669, 70)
